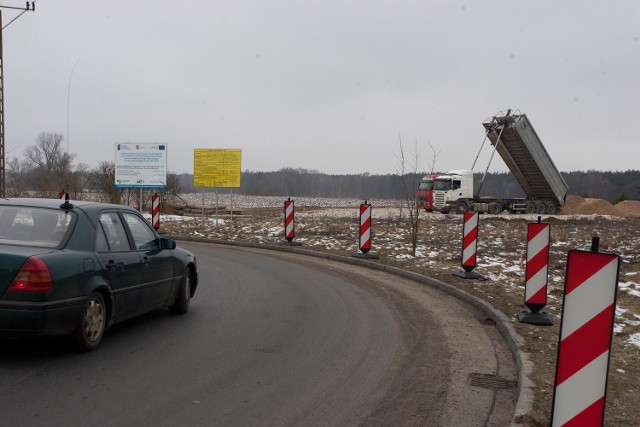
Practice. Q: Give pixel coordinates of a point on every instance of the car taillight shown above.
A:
(33, 276)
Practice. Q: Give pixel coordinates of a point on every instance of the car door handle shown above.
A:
(145, 260)
(112, 265)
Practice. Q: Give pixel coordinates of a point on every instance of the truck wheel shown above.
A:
(541, 208)
(461, 206)
(494, 208)
(552, 208)
(530, 208)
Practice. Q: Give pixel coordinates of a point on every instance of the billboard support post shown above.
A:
(217, 205)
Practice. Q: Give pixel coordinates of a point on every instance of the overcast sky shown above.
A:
(328, 85)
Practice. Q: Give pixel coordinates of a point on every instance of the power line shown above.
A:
(31, 6)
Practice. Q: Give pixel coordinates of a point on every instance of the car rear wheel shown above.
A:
(92, 323)
(181, 304)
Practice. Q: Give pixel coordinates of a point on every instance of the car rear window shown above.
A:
(34, 226)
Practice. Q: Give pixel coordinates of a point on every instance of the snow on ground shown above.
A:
(629, 287)
(634, 339)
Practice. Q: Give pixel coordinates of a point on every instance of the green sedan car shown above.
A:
(76, 268)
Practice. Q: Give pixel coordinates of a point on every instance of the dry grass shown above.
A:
(502, 242)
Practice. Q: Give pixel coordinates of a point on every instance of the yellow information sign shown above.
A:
(217, 168)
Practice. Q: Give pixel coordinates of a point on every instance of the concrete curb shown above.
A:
(524, 404)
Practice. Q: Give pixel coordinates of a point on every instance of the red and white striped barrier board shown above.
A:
(62, 195)
(289, 231)
(365, 227)
(469, 240)
(155, 211)
(537, 269)
(585, 338)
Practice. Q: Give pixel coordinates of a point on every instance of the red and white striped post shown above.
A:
(62, 195)
(469, 245)
(289, 230)
(364, 241)
(365, 227)
(155, 211)
(586, 331)
(289, 223)
(536, 274)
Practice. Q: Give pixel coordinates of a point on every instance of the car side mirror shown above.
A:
(167, 243)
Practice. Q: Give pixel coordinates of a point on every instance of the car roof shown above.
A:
(60, 204)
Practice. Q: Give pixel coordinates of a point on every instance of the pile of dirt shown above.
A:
(576, 205)
(629, 208)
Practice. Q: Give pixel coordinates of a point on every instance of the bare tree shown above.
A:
(79, 180)
(409, 198)
(409, 189)
(171, 194)
(51, 166)
(102, 179)
(17, 177)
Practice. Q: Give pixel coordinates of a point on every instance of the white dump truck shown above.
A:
(515, 140)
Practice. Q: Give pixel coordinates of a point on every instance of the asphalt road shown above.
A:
(269, 339)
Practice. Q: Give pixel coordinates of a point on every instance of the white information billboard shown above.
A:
(141, 165)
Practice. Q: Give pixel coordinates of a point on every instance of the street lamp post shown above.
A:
(69, 101)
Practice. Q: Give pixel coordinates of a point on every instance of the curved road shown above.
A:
(271, 339)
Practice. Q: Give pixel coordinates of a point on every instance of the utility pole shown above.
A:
(2, 176)
(30, 6)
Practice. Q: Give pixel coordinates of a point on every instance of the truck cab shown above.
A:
(425, 192)
(449, 187)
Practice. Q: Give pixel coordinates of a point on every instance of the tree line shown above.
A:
(611, 186)
(46, 169)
